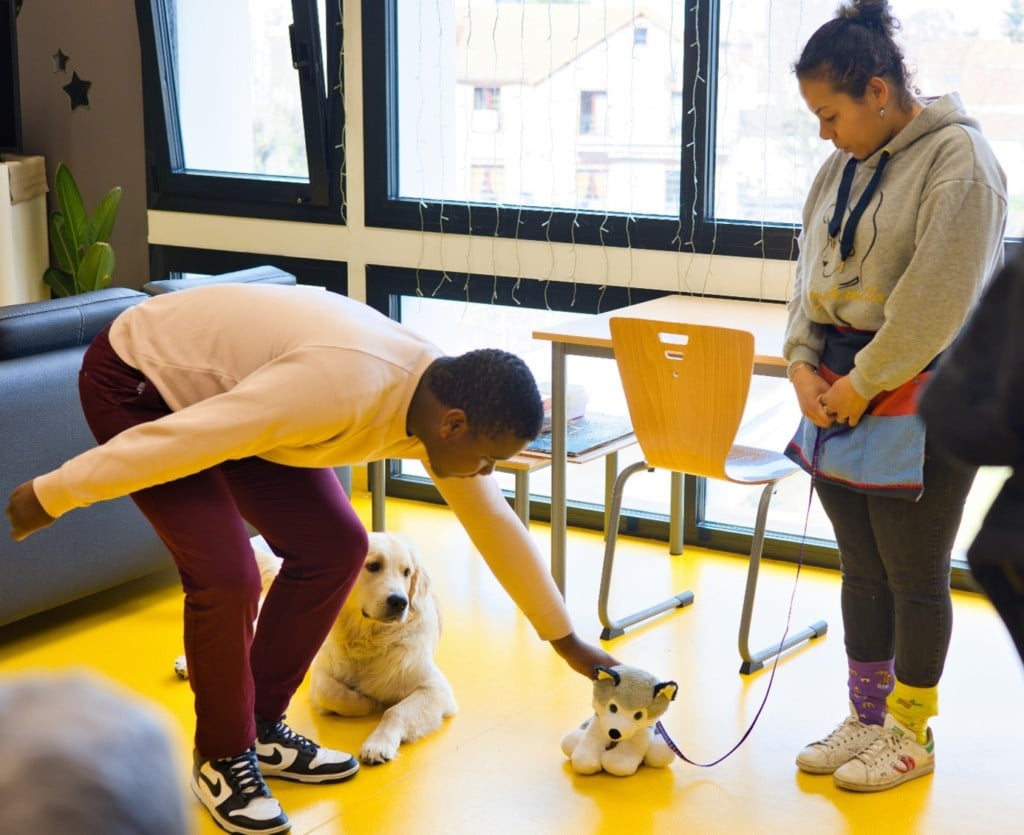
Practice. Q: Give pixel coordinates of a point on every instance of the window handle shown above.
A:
(300, 53)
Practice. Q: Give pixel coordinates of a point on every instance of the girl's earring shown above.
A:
(881, 113)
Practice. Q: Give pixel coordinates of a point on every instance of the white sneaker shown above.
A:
(892, 759)
(286, 754)
(233, 791)
(849, 738)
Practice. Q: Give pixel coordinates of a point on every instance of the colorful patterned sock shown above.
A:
(870, 682)
(912, 707)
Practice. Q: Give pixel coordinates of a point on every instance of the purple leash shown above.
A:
(659, 728)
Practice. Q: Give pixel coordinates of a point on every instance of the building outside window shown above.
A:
(593, 113)
(487, 109)
(488, 182)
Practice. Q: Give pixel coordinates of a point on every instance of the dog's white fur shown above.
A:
(379, 655)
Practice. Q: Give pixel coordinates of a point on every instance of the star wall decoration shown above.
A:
(78, 91)
(60, 61)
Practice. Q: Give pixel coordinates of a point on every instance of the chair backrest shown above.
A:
(686, 387)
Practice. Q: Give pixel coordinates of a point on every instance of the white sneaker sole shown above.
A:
(811, 768)
(899, 780)
(337, 777)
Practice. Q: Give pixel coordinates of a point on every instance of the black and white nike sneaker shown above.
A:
(232, 789)
(290, 756)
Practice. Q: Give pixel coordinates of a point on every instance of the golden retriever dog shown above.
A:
(379, 655)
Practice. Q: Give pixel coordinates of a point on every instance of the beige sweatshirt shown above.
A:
(929, 239)
(301, 377)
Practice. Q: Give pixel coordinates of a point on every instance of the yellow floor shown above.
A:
(496, 767)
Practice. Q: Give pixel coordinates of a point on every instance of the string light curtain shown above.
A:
(661, 124)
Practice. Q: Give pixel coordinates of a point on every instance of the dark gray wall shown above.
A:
(103, 144)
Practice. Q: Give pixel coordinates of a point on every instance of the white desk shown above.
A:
(591, 337)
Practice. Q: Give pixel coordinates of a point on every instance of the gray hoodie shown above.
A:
(929, 239)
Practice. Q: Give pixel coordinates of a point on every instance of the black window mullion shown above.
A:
(308, 63)
(693, 169)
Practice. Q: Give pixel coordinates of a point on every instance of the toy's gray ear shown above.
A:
(606, 674)
(665, 690)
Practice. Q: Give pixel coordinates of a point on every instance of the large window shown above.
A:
(648, 93)
(459, 314)
(670, 124)
(243, 106)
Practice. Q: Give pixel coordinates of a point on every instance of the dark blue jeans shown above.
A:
(895, 561)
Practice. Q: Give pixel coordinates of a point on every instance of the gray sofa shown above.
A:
(41, 425)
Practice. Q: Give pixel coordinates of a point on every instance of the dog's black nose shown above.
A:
(614, 733)
(397, 604)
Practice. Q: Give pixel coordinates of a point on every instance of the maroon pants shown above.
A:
(237, 667)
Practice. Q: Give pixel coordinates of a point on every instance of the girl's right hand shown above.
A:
(809, 387)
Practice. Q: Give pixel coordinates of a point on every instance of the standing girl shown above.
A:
(902, 227)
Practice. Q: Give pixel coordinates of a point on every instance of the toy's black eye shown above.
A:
(638, 715)
(613, 708)
(372, 567)
(408, 571)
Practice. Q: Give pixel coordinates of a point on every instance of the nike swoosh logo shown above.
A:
(215, 788)
(272, 759)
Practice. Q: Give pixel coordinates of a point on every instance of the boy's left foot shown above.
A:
(892, 759)
(283, 753)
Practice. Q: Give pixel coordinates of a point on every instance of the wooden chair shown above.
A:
(686, 387)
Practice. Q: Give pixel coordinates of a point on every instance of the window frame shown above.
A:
(387, 284)
(169, 187)
(694, 230)
(166, 261)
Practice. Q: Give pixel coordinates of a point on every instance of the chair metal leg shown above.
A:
(675, 515)
(611, 470)
(614, 628)
(754, 661)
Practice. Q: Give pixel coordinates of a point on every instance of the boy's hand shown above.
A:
(581, 656)
(25, 513)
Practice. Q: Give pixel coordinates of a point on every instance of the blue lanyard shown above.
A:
(843, 197)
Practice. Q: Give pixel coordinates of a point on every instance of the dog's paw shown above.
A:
(181, 667)
(379, 748)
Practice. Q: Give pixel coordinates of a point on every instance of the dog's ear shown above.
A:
(419, 583)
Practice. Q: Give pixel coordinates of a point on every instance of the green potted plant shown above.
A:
(80, 242)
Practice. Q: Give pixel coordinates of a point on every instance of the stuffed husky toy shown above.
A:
(620, 736)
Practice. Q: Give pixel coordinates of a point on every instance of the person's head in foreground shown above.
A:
(80, 756)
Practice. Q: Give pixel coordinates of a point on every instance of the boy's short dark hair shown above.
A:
(494, 388)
